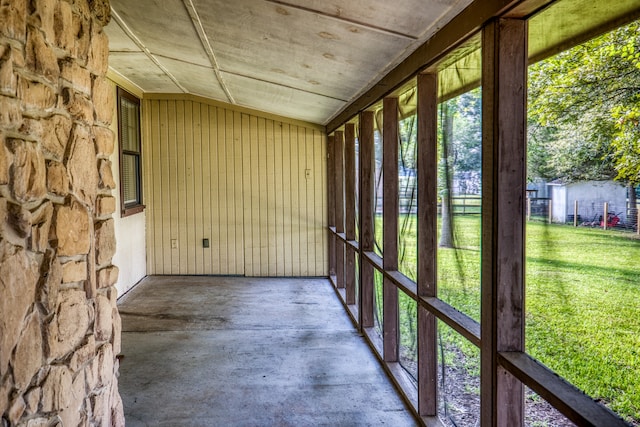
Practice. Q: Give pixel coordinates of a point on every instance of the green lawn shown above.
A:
(582, 303)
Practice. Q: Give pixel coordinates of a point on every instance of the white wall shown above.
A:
(131, 253)
(591, 197)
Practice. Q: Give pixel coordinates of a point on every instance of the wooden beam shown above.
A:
(504, 99)
(338, 158)
(390, 318)
(366, 200)
(466, 23)
(350, 209)
(427, 164)
(331, 205)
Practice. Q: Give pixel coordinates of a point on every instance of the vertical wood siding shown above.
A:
(238, 180)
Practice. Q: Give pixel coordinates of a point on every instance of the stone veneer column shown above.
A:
(59, 324)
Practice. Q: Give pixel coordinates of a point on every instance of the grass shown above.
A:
(582, 299)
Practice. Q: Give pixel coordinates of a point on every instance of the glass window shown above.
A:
(130, 153)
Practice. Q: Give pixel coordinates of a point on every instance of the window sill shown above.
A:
(131, 210)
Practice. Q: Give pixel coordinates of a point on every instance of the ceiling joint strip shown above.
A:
(143, 48)
(197, 23)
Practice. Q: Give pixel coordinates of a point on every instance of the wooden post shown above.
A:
(605, 216)
(331, 205)
(575, 213)
(338, 155)
(427, 245)
(504, 124)
(367, 212)
(390, 328)
(350, 210)
(550, 204)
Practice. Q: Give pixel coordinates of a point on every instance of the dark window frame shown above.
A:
(127, 209)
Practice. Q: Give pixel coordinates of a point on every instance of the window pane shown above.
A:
(129, 112)
(129, 179)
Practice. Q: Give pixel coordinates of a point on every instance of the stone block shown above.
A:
(10, 114)
(104, 100)
(19, 219)
(40, 57)
(43, 17)
(105, 365)
(100, 11)
(117, 408)
(117, 332)
(91, 373)
(28, 172)
(56, 389)
(74, 271)
(105, 206)
(41, 220)
(8, 79)
(33, 399)
(36, 95)
(57, 179)
(42, 422)
(83, 355)
(76, 77)
(72, 229)
(82, 166)
(105, 171)
(28, 354)
(104, 140)
(70, 323)
(17, 408)
(13, 19)
(79, 106)
(48, 292)
(81, 33)
(108, 277)
(105, 241)
(98, 61)
(32, 129)
(5, 392)
(56, 135)
(104, 318)
(5, 162)
(19, 274)
(63, 26)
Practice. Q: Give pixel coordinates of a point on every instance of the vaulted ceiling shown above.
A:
(303, 59)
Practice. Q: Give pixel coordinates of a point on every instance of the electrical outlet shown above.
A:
(174, 243)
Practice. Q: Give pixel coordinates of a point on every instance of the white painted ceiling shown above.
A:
(302, 59)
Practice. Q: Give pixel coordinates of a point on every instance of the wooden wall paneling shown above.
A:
(165, 225)
(427, 244)
(153, 158)
(504, 92)
(261, 197)
(295, 201)
(302, 195)
(198, 177)
(390, 316)
(310, 194)
(206, 183)
(331, 203)
(321, 191)
(216, 121)
(222, 201)
(338, 156)
(278, 200)
(172, 142)
(287, 225)
(366, 201)
(181, 214)
(350, 210)
(189, 201)
(271, 200)
(247, 167)
(234, 134)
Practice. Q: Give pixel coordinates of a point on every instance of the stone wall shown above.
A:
(59, 325)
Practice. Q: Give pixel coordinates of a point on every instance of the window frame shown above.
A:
(138, 206)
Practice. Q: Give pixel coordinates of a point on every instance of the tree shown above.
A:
(585, 110)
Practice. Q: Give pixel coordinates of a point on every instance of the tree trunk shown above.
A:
(446, 232)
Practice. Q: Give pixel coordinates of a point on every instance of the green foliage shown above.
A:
(582, 104)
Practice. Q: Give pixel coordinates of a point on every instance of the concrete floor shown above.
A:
(221, 351)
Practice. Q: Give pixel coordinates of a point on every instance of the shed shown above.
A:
(591, 197)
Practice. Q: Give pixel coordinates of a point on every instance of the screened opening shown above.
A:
(130, 153)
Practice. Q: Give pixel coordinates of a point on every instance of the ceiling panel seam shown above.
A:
(347, 20)
(143, 48)
(197, 23)
(286, 86)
